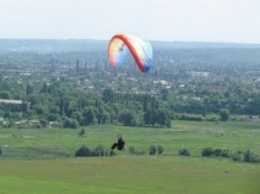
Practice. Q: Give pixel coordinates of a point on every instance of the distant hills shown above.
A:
(197, 45)
(78, 45)
(52, 45)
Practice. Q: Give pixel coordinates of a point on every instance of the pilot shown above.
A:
(120, 143)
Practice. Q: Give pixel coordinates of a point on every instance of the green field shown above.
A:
(42, 160)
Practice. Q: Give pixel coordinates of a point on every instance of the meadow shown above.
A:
(42, 160)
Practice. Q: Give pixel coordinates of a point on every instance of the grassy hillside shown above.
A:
(129, 174)
(42, 160)
(195, 136)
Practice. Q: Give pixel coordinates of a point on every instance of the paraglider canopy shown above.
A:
(141, 50)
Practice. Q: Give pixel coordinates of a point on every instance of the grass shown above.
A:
(129, 174)
(42, 160)
(192, 135)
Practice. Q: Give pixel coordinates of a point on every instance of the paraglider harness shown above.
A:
(120, 143)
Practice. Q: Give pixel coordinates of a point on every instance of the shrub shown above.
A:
(74, 124)
(217, 152)
(191, 117)
(83, 151)
(225, 153)
(152, 150)
(0, 151)
(142, 152)
(224, 114)
(184, 152)
(251, 157)
(132, 150)
(82, 132)
(100, 150)
(160, 149)
(213, 118)
(44, 122)
(237, 156)
(112, 153)
(69, 123)
(207, 151)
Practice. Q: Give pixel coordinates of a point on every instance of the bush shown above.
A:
(184, 152)
(187, 117)
(152, 150)
(207, 151)
(83, 151)
(217, 152)
(155, 149)
(251, 157)
(70, 123)
(0, 151)
(112, 153)
(44, 122)
(100, 150)
(225, 153)
(237, 156)
(160, 149)
(82, 132)
(213, 118)
(132, 150)
(224, 114)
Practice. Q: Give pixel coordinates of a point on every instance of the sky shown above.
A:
(233, 21)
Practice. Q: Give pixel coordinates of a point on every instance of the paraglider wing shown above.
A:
(141, 50)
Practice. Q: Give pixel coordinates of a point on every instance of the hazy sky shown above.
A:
(170, 20)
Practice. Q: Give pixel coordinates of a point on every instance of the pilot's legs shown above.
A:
(114, 146)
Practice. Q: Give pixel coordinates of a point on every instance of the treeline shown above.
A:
(61, 103)
(70, 108)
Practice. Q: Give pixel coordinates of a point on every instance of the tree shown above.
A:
(29, 89)
(102, 116)
(152, 150)
(52, 117)
(160, 149)
(74, 124)
(82, 132)
(83, 151)
(148, 117)
(40, 109)
(66, 123)
(100, 150)
(184, 152)
(128, 118)
(164, 94)
(108, 95)
(154, 117)
(70, 123)
(5, 95)
(77, 116)
(88, 117)
(163, 117)
(224, 114)
(207, 151)
(251, 157)
(43, 122)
